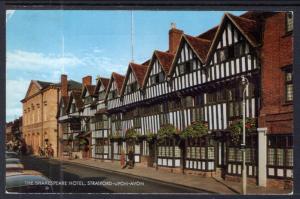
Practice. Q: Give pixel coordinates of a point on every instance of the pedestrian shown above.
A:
(50, 151)
(131, 159)
(122, 159)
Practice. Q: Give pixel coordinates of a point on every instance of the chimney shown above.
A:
(87, 80)
(174, 38)
(64, 85)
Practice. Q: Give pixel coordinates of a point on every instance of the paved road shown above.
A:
(85, 179)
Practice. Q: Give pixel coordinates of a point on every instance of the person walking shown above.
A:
(122, 159)
(130, 159)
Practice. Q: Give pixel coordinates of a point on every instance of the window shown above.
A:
(187, 101)
(280, 155)
(88, 100)
(186, 67)
(238, 50)
(199, 100)
(174, 104)
(163, 119)
(101, 95)
(211, 98)
(157, 78)
(289, 90)
(222, 55)
(221, 95)
(112, 94)
(289, 22)
(161, 77)
(137, 122)
(230, 52)
(131, 88)
(101, 121)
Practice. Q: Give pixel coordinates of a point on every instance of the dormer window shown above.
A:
(130, 88)
(289, 22)
(157, 78)
(238, 49)
(185, 68)
(88, 100)
(101, 95)
(112, 94)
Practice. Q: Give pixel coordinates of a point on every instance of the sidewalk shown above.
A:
(209, 184)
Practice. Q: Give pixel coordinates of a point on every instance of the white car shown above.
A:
(11, 154)
(13, 164)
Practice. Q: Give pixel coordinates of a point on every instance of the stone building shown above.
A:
(40, 105)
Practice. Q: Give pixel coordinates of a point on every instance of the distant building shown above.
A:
(40, 105)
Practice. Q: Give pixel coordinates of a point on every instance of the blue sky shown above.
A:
(43, 44)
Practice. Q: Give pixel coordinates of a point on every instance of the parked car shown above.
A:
(27, 181)
(11, 154)
(13, 164)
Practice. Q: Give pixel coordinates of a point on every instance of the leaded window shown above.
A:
(280, 156)
(289, 21)
(289, 88)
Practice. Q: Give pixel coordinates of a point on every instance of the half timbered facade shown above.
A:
(198, 79)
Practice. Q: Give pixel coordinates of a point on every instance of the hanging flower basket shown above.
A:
(166, 131)
(115, 136)
(151, 137)
(195, 130)
(132, 135)
(236, 128)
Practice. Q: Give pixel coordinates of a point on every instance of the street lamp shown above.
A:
(245, 83)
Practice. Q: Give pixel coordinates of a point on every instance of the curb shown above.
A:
(137, 176)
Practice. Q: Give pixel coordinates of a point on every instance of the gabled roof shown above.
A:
(39, 86)
(199, 46)
(118, 79)
(89, 88)
(210, 34)
(64, 100)
(247, 27)
(139, 72)
(165, 60)
(104, 82)
(76, 95)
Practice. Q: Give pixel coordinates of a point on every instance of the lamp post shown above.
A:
(245, 83)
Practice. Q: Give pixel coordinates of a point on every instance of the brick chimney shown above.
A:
(87, 80)
(64, 85)
(174, 38)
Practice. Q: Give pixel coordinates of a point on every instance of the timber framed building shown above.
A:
(199, 79)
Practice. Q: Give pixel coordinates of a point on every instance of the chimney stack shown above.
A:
(64, 85)
(174, 38)
(87, 80)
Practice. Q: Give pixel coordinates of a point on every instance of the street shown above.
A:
(74, 178)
